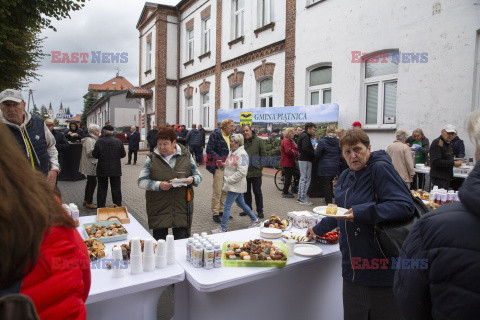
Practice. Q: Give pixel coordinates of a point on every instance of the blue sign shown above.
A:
(64, 116)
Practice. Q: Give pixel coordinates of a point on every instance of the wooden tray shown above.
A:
(113, 211)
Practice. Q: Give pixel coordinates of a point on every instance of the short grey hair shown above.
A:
(473, 126)
(238, 138)
(93, 128)
(401, 135)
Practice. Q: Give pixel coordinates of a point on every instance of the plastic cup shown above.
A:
(136, 264)
(160, 255)
(117, 270)
(136, 248)
(148, 256)
(290, 246)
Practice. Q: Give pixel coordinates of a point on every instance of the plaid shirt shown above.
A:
(144, 181)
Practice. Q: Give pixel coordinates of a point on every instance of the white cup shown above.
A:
(161, 254)
(117, 270)
(136, 248)
(170, 243)
(136, 264)
(171, 257)
(290, 246)
(148, 257)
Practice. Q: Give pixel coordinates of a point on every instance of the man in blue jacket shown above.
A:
(194, 142)
(218, 148)
(133, 145)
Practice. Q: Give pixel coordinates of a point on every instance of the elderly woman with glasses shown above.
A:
(235, 182)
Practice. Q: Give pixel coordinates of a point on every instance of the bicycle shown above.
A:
(280, 180)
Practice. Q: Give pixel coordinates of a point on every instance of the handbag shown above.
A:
(391, 235)
(14, 305)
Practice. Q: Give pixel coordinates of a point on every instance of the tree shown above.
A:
(87, 105)
(21, 23)
(35, 111)
(43, 112)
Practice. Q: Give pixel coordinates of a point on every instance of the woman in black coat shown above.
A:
(442, 277)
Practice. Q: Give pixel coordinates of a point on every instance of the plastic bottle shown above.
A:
(189, 248)
(198, 253)
(209, 257)
(217, 255)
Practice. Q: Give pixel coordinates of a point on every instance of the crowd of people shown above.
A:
(372, 185)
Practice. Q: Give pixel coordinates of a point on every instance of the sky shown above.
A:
(102, 25)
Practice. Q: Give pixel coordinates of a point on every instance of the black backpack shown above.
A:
(391, 235)
(14, 305)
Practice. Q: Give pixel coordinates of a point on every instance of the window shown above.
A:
(206, 110)
(380, 85)
(265, 12)
(190, 51)
(238, 9)
(149, 55)
(189, 104)
(237, 97)
(266, 93)
(206, 35)
(320, 85)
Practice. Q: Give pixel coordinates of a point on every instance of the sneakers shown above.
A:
(219, 230)
(305, 201)
(221, 215)
(255, 224)
(260, 215)
(288, 195)
(216, 218)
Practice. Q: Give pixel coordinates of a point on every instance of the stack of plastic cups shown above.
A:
(136, 266)
(117, 270)
(204, 234)
(170, 250)
(148, 256)
(161, 255)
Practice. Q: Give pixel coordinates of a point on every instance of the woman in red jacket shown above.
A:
(40, 246)
(288, 150)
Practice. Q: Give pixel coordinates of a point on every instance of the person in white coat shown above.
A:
(235, 182)
(88, 164)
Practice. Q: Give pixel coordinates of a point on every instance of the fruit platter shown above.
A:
(330, 237)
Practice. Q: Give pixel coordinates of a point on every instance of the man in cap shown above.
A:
(31, 133)
(442, 158)
(61, 142)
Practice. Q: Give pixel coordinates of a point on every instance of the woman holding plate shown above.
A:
(167, 204)
(373, 192)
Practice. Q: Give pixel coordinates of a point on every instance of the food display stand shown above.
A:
(131, 296)
(306, 288)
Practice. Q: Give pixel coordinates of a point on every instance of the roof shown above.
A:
(77, 118)
(136, 92)
(114, 84)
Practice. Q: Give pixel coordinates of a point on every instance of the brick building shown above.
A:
(202, 55)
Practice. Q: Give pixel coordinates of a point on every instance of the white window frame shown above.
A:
(380, 81)
(266, 96)
(205, 107)
(237, 103)
(206, 35)
(148, 58)
(189, 108)
(190, 44)
(319, 88)
(265, 12)
(240, 15)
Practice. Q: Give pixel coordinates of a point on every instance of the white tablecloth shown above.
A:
(132, 296)
(456, 174)
(308, 286)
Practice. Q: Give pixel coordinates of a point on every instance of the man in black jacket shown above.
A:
(152, 137)
(438, 276)
(442, 158)
(307, 155)
(61, 142)
(133, 145)
(109, 150)
(202, 131)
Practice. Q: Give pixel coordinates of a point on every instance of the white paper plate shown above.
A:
(322, 210)
(182, 180)
(307, 250)
(270, 233)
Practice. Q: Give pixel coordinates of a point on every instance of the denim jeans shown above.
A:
(305, 176)
(227, 205)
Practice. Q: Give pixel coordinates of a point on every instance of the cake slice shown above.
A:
(332, 209)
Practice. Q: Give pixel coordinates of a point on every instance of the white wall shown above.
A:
(250, 85)
(251, 23)
(429, 94)
(172, 54)
(197, 103)
(149, 28)
(171, 116)
(195, 12)
(126, 117)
